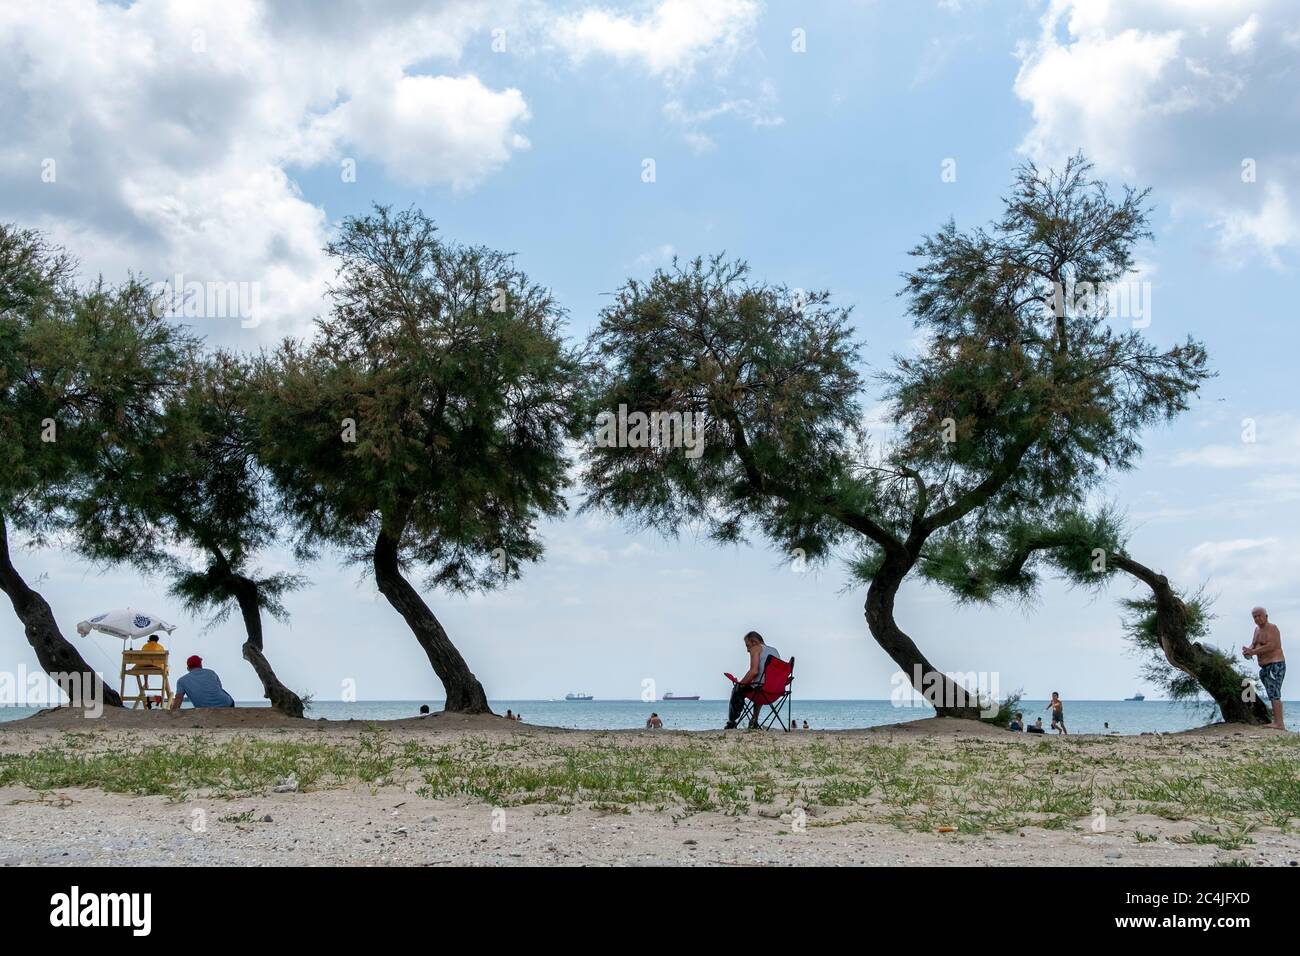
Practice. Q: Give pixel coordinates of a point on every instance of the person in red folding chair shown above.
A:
(748, 689)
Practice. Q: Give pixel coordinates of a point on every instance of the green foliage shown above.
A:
(993, 562)
(434, 405)
(82, 372)
(190, 481)
(150, 455)
(1224, 676)
(211, 592)
(772, 374)
(1006, 710)
(1021, 398)
(36, 318)
(1043, 394)
(1140, 622)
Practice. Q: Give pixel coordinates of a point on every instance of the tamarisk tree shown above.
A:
(426, 423)
(1165, 626)
(192, 483)
(1022, 396)
(37, 344)
(79, 370)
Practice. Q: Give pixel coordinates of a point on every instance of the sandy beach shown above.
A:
(251, 787)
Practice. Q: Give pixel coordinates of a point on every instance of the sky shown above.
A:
(818, 140)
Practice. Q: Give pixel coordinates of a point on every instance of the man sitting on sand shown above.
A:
(201, 686)
(1266, 647)
(1036, 727)
(1017, 722)
(753, 679)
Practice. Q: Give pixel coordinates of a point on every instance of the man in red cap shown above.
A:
(201, 686)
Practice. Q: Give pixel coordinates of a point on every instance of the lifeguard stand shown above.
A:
(142, 665)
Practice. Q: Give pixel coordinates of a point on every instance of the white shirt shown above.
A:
(764, 653)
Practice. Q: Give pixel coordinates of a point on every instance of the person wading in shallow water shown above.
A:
(1266, 647)
(758, 655)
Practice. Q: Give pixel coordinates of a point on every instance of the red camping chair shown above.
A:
(778, 684)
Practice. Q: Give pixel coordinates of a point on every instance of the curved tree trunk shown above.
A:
(1216, 676)
(947, 697)
(56, 655)
(464, 693)
(250, 607)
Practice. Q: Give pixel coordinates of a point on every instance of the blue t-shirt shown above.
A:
(202, 688)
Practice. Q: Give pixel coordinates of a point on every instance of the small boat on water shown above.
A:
(671, 696)
(1136, 697)
(577, 697)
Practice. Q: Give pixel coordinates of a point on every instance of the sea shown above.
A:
(1081, 716)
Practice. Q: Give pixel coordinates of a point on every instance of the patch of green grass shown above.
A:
(1231, 839)
(975, 786)
(245, 817)
(220, 769)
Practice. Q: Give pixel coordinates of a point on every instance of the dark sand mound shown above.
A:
(248, 718)
(443, 721)
(1227, 730)
(74, 718)
(940, 726)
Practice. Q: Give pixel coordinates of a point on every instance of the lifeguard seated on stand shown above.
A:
(152, 645)
(149, 661)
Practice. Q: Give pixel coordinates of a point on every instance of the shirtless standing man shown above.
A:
(1267, 649)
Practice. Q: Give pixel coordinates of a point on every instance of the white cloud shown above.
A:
(1241, 573)
(669, 39)
(582, 541)
(1144, 87)
(1277, 487)
(1260, 443)
(1242, 39)
(659, 256)
(1268, 227)
(405, 125)
(673, 40)
(1117, 98)
(1214, 554)
(758, 111)
(1264, 451)
(699, 142)
(175, 129)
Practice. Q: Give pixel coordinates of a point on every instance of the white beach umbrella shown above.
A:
(125, 623)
